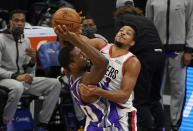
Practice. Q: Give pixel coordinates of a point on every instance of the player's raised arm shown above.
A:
(99, 61)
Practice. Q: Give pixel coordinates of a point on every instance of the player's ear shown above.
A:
(72, 65)
(132, 43)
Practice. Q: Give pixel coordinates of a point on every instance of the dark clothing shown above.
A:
(147, 91)
(149, 50)
(146, 36)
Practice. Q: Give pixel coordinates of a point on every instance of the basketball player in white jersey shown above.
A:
(121, 76)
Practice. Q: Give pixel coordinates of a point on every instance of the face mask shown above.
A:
(17, 31)
(89, 32)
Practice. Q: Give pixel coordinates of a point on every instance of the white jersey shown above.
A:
(115, 71)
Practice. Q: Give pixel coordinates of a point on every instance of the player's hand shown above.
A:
(59, 32)
(25, 77)
(87, 90)
(186, 59)
(65, 34)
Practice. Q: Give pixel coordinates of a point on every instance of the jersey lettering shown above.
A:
(111, 72)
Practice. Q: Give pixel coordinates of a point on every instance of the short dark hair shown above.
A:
(64, 57)
(89, 17)
(123, 20)
(127, 10)
(11, 13)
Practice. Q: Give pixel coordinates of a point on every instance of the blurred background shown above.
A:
(39, 11)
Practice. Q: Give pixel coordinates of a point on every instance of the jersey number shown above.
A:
(108, 80)
(88, 111)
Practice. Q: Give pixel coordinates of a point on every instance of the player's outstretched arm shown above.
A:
(132, 69)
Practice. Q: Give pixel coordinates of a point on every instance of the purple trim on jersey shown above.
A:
(98, 113)
(74, 90)
(113, 113)
(91, 128)
(112, 116)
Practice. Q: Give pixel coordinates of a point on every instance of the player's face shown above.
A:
(17, 20)
(79, 59)
(89, 23)
(125, 36)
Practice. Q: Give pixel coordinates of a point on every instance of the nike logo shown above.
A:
(103, 52)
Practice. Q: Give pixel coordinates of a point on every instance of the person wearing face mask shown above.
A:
(89, 27)
(17, 61)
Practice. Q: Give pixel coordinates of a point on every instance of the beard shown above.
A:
(17, 32)
(118, 44)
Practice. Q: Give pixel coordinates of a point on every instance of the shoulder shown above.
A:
(3, 39)
(133, 64)
(101, 37)
(133, 60)
(95, 42)
(2, 36)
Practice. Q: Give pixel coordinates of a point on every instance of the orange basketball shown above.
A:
(66, 16)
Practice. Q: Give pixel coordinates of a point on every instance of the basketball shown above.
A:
(66, 16)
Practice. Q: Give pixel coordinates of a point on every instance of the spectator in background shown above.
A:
(17, 65)
(89, 27)
(173, 19)
(149, 50)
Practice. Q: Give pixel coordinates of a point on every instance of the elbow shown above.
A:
(123, 100)
(103, 63)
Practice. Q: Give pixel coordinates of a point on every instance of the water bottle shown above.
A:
(27, 85)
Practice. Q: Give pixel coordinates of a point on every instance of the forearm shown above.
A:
(5, 74)
(96, 57)
(117, 96)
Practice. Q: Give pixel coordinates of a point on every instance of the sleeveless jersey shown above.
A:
(101, 115)
(115, 71)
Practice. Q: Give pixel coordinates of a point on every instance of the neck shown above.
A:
(117, 51)
(76, 75)
(122, 48)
